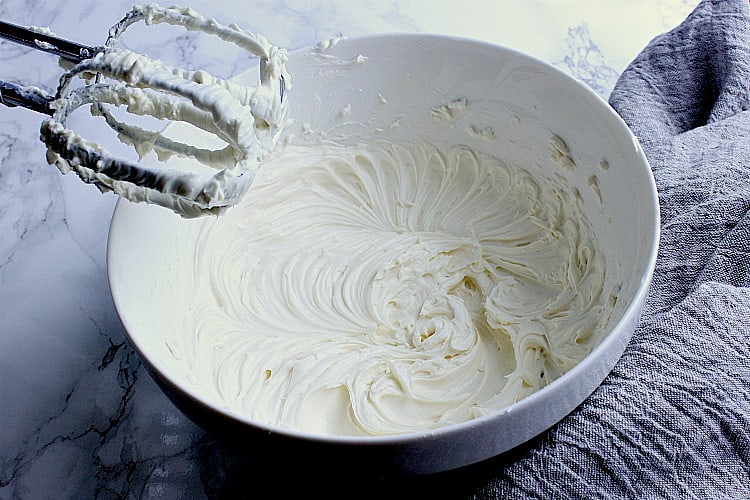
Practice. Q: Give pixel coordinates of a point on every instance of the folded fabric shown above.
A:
(673, 417)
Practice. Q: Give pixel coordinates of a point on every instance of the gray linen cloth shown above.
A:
(673, 418)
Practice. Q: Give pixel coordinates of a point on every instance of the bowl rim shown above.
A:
(613, 334)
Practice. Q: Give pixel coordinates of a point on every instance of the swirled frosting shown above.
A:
(384, 289)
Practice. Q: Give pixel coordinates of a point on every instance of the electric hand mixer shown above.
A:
(248, 119)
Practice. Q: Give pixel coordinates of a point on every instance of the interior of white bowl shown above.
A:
(507, 105)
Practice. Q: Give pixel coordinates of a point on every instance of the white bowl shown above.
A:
(524, 102)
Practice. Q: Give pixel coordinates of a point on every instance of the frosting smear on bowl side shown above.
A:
(389, 288)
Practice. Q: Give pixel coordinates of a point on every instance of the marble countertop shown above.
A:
(79, 415)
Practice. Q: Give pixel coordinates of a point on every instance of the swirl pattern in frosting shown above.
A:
(385, 289)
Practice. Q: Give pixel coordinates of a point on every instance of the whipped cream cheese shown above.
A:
(387, 288)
